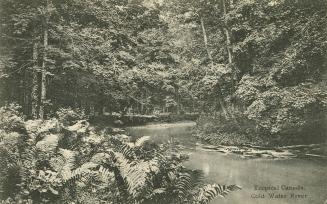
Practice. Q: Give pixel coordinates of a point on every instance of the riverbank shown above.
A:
(318, 151)
(157, 131)
(242, 148)
(119, 120)
(242, 131)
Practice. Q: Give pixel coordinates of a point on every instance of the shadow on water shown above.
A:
(309, 177)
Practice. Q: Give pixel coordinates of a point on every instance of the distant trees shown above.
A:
(249, 54)
(144, 56)
(79, 53)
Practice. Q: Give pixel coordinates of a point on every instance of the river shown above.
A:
(309, 177)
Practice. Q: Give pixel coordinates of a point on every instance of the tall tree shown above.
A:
(44, 60)
(35, 72)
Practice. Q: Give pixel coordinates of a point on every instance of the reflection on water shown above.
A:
(251, 174)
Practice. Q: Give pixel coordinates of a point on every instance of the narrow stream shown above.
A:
(309, 178)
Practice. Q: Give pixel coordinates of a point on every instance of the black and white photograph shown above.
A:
(163, 101)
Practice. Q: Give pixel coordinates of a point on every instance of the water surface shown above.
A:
(308, 176)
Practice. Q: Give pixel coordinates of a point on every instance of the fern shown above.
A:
(183, 184)
(141, 141)
(84, 170)
(126, 150)
(210, 191)
(122, 172)
(129, 149)
(69, 157)
(105, 174)
(185, 181)
(138, 174)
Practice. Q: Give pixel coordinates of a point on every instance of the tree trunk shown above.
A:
(222, 102)
(230, 54)
(227, 33)
(205, 39)
(43, 71)
(142, 103)
(34, 93)
(229, 46)
(26, 94)
(103, 111)
(193, 106)
(220, 96)
(178, 108)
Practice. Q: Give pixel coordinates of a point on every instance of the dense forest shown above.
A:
(253, 71)
(259, 66)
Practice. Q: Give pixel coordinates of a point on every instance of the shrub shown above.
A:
(76, 163)
(11, 119)
(69, 116)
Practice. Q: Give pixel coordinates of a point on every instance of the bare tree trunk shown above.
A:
(205, 39)
(193, 106)
(178, 108)
(142, 104)
(43, 71)
(103, 111)
(34, 94)
(220, 96)
(226, 31)
(228, 38)
(222, 102)
(27, 98)
(230, 54)
(146, 102)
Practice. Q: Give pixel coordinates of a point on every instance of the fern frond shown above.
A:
(105, 174)
(126, 150)
(183, 184)
(141, 141)
(197, 177)
(138, 174)
(76, 174)
(211, 191)
(69, 157)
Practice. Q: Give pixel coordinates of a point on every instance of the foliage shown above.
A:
(65, 163)
(91, 52)
(290, 113)
(10, 118)
(68, 116)
(276, 89)
(261, 64)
